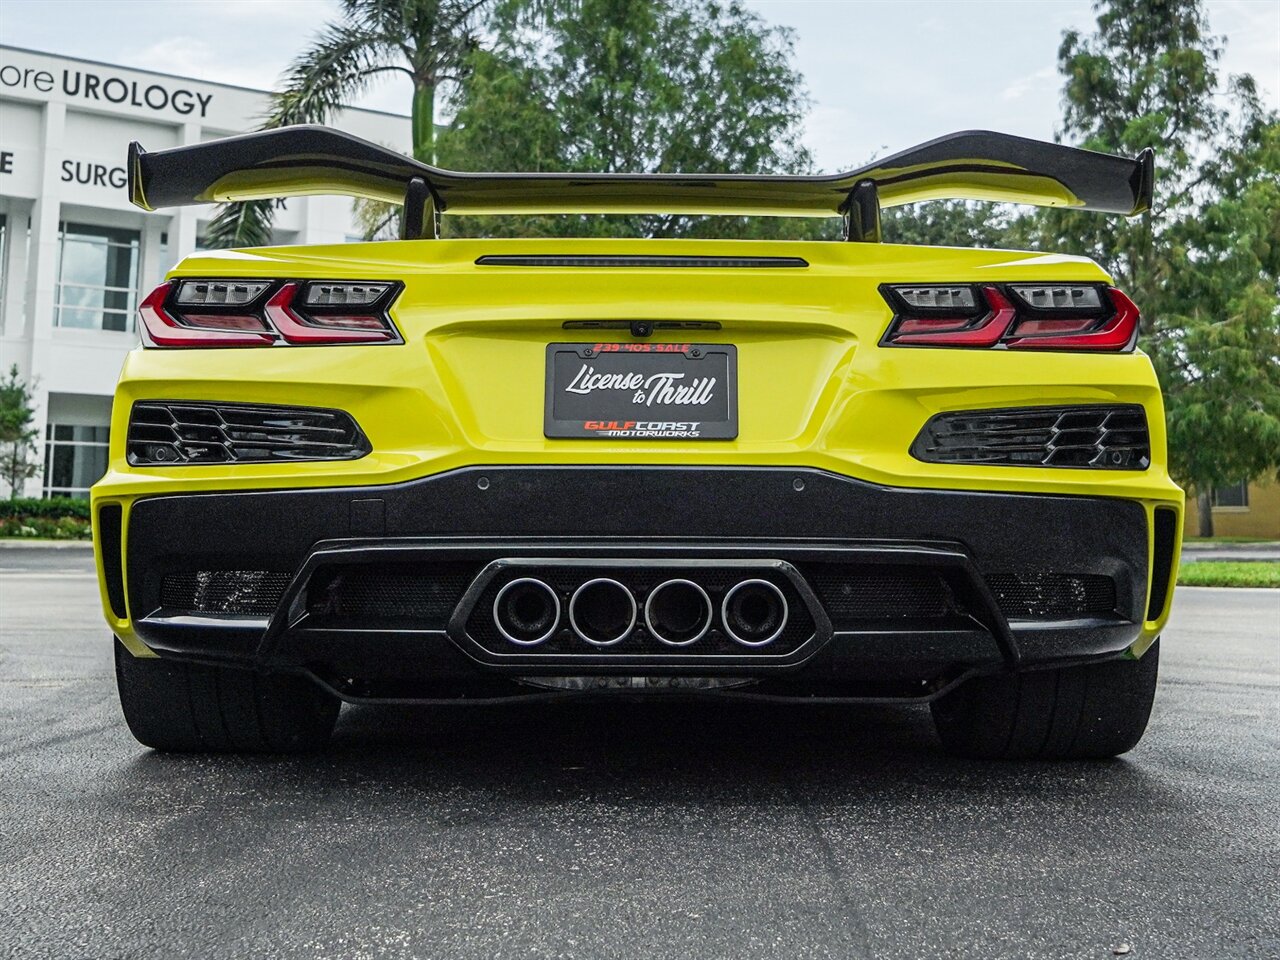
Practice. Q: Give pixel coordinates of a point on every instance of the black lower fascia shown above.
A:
(640, 511)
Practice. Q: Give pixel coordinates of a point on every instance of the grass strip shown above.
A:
(1229, 573)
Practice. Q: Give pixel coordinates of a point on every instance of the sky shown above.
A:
(881, 75)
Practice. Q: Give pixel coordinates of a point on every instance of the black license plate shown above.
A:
(642, 391)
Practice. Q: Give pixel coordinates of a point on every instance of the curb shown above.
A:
(1271, 590)
(28, 543)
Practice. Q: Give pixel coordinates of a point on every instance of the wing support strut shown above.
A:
(861, 213)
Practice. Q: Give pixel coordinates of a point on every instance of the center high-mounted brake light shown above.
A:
(1011, 316)
(255, 313)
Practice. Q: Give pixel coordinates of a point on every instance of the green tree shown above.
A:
(17, 438)
(425, 40)
(1203, 262)
(947, 223)
(687, 86)
(1217, 346)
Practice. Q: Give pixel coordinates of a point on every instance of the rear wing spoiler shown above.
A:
(306, 160)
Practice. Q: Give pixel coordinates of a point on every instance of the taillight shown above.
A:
(1018, 316)
(166, 324)
(254, 313)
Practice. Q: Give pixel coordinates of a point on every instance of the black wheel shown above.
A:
(1072, 713)
(171, 705)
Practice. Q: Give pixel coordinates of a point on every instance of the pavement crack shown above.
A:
(850, 914)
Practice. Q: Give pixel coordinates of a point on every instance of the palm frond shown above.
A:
(332, 72)
(323, 78)
(245, 224)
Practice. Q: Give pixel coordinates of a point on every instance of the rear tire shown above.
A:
(191, 707)
(1072, 713)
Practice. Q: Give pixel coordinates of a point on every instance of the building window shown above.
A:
(75, 458)
(97, 277)
(1232, 495)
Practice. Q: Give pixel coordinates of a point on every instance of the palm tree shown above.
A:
(427, 40)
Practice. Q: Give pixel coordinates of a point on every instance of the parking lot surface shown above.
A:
(672, 830)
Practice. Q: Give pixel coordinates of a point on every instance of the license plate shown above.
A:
(642, 391)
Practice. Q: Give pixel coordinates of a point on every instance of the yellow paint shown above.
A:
(466, 387)
(976, 179)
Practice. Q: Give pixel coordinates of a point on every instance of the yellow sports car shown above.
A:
(466, 470)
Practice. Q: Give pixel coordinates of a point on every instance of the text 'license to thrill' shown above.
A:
(642, 391)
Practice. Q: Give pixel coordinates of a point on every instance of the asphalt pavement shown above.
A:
(654, 830)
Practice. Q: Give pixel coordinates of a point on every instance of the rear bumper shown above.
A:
(900, 587)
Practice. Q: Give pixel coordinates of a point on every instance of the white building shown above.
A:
(76, 256)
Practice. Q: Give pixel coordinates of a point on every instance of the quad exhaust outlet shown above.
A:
(602, 612)
(678, 612)
(754, 613)
(526, 611)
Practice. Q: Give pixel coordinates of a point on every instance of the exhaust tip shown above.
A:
(602, 612)
(526, 611)
(754, 613)
(678, 612)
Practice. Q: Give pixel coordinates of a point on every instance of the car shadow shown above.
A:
(664, 753)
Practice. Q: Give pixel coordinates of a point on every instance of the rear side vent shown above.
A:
(1046, 595)
(420, 594)
(237, 592)
(1111, 437)
(716, 263)
(1165, 537)
(109, 522)
(853, 594)
(174, 433)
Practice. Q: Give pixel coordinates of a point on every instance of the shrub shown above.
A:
(58, 518)
(53, 507)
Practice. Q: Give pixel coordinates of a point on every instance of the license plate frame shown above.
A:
(641, 391)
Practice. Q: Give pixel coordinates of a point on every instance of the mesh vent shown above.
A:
(1048, 596)
(224, 591)
(170, 433)
(855, 595)
(852, 593)
(420, 594)
(1112, 437)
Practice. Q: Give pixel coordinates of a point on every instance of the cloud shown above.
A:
(203, 60)
(1044, 79)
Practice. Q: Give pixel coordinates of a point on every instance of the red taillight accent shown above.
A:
(1108, 323)
(163, 330)
(959, 332)
(256, 313)
(326, 328)
(1117, 333)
